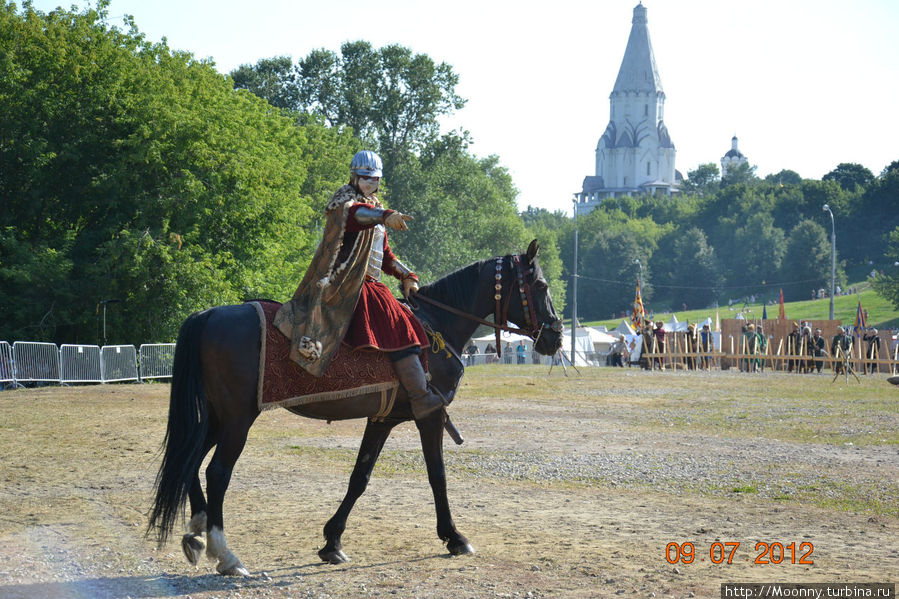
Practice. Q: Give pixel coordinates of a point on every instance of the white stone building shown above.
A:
(734, 157)
(635, 154)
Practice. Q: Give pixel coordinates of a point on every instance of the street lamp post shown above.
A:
(833, 257)
(640, 264)
(574, 287)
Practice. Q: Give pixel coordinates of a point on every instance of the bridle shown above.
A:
(532, 328)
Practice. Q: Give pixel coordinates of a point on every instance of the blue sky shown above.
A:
(804, 84)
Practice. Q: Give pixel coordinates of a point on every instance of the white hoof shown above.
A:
(217, 549)
(237, 569)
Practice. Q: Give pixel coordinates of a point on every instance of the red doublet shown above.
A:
(379, 320)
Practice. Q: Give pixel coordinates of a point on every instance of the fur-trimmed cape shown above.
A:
(317, 317)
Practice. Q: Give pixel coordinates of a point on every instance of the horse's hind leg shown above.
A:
(230, 380)
(373, 439)
(218, 475)
(192, 543)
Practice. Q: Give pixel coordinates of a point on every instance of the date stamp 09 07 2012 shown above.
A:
(726, 552)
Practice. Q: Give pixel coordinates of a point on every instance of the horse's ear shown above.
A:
(533, 250)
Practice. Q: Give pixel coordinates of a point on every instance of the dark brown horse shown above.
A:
(214, 400)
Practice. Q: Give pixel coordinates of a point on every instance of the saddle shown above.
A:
(352, 373)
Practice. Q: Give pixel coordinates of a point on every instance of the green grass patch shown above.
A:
(881, 313)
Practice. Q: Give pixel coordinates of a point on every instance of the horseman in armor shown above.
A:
(342, 299)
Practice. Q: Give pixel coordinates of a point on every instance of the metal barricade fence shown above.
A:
(156, 360)
(118, 363)
(7, 365)
(80, 364)
(36, 362)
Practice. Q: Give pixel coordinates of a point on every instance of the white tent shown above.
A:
(624, 329)
(674, 325)
(597, 338)
(505, 337)
(590, 346)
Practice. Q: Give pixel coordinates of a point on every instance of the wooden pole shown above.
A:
(655, 347)
(895, 359)
(743, 351)
(893, 369)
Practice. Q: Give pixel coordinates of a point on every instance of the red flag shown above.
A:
(782, 314)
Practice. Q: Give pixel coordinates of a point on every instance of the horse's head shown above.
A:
(534, 313)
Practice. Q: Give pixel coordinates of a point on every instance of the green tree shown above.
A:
(558, 220)
(464, 209)
(609, 244)
(759, 247)
(607, 279)
(850, 176)
(894, 165)
(784, 177)
(132, 172)
(687, 269)
(390, 97)
(703, 180)
(887, 283)
(273, 79)
(806, 263)
(739, 173)
(551, 262)
(873, 217)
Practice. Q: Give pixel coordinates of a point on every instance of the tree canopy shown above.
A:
(136, 173)
(391, 100)
(722, 242)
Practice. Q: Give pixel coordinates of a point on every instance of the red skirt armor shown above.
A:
(381, 322)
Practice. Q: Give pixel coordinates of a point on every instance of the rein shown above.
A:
(501, 310)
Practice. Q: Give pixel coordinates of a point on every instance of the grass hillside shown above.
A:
(881, 314)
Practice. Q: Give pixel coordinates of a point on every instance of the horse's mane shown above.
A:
(456, 288)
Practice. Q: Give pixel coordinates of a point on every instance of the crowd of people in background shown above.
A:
(805, 349)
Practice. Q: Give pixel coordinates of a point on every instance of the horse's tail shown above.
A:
(185, 436)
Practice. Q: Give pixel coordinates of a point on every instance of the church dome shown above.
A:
(734, 152)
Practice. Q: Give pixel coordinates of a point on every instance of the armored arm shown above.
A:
(369, 216)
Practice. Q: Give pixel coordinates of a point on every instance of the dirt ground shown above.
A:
(526, 488)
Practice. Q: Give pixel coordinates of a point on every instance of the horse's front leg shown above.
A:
(430, 429)
(373, 439)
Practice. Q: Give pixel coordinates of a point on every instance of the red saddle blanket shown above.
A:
(283, 383)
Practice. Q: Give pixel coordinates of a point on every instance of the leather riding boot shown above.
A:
(412, 377)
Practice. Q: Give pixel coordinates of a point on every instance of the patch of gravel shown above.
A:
(673, 463)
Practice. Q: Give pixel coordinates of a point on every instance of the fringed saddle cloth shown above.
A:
(351, 373)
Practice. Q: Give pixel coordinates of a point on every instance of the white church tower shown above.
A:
(635, 154)
(734, 157)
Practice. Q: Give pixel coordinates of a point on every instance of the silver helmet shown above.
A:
(367, 164)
